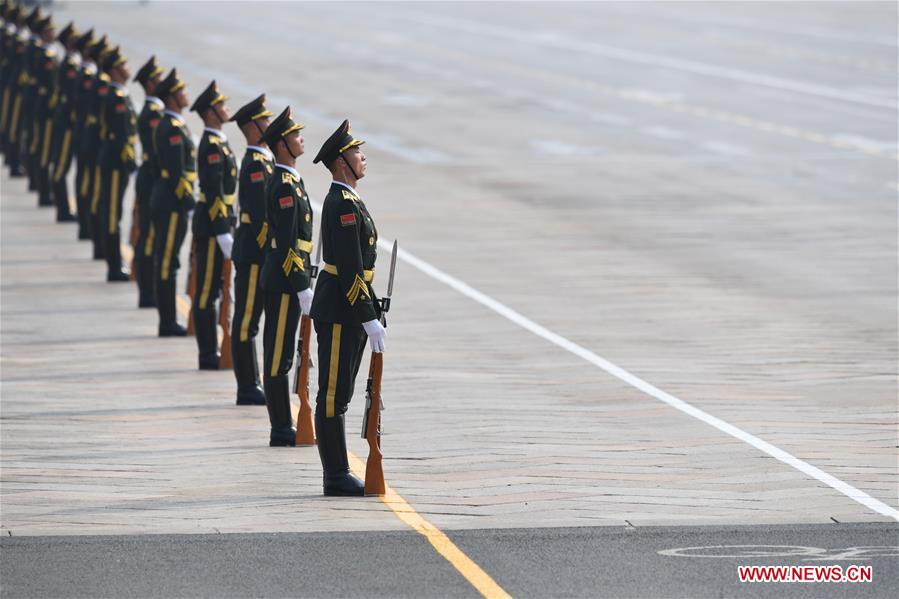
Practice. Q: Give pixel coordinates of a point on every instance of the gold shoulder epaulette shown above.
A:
(288, 178)
(347, 195)
(259, 157)
(215, 139)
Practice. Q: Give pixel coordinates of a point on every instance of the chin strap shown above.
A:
(346, 162)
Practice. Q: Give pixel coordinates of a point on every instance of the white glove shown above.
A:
(226, 242)
(305, 297)
(377, 334)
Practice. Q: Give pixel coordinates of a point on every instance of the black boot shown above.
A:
(97, 237)
(207, 338)
(246, 370)
(61, 197)
(165, 303)
(338, 480)
(144, 265)
(277, 400)
(45, 200)
(114, 271)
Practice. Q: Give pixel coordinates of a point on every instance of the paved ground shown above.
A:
(705, 197)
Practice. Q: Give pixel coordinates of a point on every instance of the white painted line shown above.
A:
(552, 40)
(638, 383)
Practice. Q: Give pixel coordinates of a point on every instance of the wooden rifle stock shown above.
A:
(374, 471)
(226, 361)
(192, 286)
(305, 428)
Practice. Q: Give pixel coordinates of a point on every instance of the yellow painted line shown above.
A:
(472, 572)
(182, 305)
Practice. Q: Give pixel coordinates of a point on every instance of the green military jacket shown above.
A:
(176, 160)
(119, 146)
(217, 169)
(149, 118)
(288, 215)
(252, 235)
(343, 293)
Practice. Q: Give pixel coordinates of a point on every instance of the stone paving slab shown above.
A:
(760, 295)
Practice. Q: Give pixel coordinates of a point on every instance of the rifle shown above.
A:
(371, 421)
(192, 286)
(225, 360)
(305, 428)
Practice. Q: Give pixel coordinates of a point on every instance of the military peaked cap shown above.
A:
(150, 69)
(209, 97)
(251, 111)
(339, 142)
(169, 85)
(281, 127)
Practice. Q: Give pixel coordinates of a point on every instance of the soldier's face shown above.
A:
(356, 159)
(181, 97)
(223, 112)
(124, 71)
(153, 83)
(296, 143)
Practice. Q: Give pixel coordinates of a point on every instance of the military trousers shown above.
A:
(209, 259)
(114, 181)
(279, 340)
(340, 351)
(170, 228)
(98, 233)
(83, 174)
(43, 143)
(249, 301)
(61, 158)
(143, 251)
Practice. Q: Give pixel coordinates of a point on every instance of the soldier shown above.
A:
(285, 278)
(213, 219)
(17, 78)
(26, 92)
(345, 309)
(87, 47)
(149, 77)
(8, 49)
(94, 134)
(44, 80)
(249, 250)
(40, 62)
(64, 122)
(172, 198)
(117, 159)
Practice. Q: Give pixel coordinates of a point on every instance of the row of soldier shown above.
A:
(72, 105)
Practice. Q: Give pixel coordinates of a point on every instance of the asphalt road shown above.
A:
(536, 562)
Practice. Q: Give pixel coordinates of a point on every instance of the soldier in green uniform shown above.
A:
(19, 81)
(149, 77)
(45, 66)
(10, 32)
(117, 159)
(345, 310)
(41, 65)
(84, 170)
(172, 198)
(95, 133)
(64, 122)
(249, 250)
(285, 276)
(213, 219)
